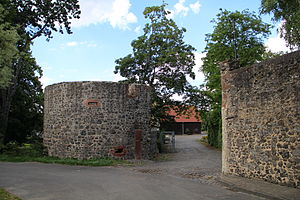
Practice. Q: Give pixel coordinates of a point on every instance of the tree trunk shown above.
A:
(5, 100)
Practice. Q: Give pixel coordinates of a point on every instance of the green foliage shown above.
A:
(237, 36)
(214, 127)
(160, 59)
(36, 18)
(26, 112)
(203, 140)
(12, 152)
(4, 195)
(21, 95)
(269, 54)
(13, 149)
(65, 161)
(8, 49)
(163, 157)
(287, 11)
(5, 76)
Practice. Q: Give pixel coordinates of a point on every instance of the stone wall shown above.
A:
(261, 120)
(87, 120)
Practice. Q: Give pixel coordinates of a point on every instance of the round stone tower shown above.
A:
(88, 120)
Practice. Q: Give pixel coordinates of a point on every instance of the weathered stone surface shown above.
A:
(87, 120)
(261, 120)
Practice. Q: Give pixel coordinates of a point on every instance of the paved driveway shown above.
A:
(191, 160)
(187, 177)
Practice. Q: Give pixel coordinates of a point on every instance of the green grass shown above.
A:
(66, 161)
(36, 153)
(163, 157)
(204, 141)
(4, 195)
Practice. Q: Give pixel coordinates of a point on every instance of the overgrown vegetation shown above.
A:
(4, 195)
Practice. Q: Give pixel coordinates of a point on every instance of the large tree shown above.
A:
(236, 36)
(8, 49)
(29, 19)
(160, 59)
(25, 115)
(287, 11)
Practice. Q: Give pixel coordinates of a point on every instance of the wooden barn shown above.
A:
(187, 123)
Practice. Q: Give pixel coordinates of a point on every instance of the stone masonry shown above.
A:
(86, 120)
(261, 120)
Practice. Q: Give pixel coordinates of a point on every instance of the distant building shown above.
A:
(188, 122)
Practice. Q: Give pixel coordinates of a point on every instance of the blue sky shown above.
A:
(107, 27)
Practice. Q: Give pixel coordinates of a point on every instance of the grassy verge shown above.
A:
(204, 141)
(66, 161)
(36, 153)
(163, 157)
(4, 195)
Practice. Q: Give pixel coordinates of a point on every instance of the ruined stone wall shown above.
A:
(261, 120)
(87, 120)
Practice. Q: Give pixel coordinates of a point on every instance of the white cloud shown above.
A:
(277, 44)
(72, 44)
(115, 12)
(195, 7)
(84, 43)
(199, 79)
(181, 9)
(45, 81)
(117, 77)
(120, 16)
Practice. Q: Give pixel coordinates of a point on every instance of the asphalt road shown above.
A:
(175, 179)
(191, 160)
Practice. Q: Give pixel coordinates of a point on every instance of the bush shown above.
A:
(214, 129)
(204, 139)
(35, 149)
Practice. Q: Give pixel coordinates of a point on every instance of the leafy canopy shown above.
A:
(26, 111)
(41, 17)
(160, 59)
(287, 11)
(21, 95)
(237, 36)
(8, 49)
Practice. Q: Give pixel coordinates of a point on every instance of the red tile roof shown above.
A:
(189, 116)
